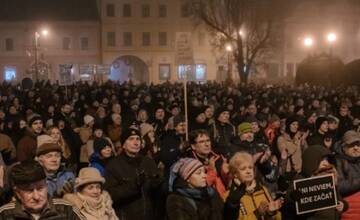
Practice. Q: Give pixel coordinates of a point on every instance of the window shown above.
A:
(162, 11)
(66, 43)
(84, 43)
(9, 73)
(146, 39)
(127, 10)
(162, 38)
(110, 10)
(9, 44)
(200, 72)
(185, 70)
(111, 42)
(201, 38)
(127, 38)
(145, 11)
(164, 71)
(185, 10)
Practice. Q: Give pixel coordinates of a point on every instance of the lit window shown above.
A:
(10, 73)
(200, 72)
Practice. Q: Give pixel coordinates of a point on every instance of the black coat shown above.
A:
(133, 194)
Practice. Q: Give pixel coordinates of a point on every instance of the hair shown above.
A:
(238, 159)
(195, 134)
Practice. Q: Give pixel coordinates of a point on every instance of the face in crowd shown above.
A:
(37, 126)
(50, 161)
(242, 167)
(202, 145)
(92, 190)
(198, 178)
(353, 149)
(209, 112)
(247, 136)
(224, 117)
(181, 128)
(160, 114)
(324, 127)
(33, 197)
(132, 145)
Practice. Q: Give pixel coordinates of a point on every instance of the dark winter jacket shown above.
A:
(221, 135)
(26, 147)
(132, 183)
(57, 209)
(193, 204)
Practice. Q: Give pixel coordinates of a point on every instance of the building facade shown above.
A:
(65, 32)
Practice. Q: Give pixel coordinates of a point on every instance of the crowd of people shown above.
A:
(124, 151)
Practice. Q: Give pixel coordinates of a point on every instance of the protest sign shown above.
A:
(316, 193)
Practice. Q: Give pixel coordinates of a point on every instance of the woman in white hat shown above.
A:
(93, 202)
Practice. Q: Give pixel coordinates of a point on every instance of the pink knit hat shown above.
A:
(185, 167)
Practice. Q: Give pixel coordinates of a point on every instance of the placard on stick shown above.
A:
(317, 193)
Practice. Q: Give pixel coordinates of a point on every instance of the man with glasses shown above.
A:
(215, 165)
(31, 193)
(348, 168)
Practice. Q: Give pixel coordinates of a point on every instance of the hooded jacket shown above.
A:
(348, 169)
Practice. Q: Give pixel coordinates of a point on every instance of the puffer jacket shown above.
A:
(348, 169)
(56, 181)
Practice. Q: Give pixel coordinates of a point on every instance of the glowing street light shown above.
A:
(331, 37)
(44, 32)
(308, 42)
(228, 48)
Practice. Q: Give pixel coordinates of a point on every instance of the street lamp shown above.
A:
(308, 43)
(229, 49)
(331, 38)
(44, 33)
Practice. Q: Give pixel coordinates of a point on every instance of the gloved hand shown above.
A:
(67, 187)
(236, 192)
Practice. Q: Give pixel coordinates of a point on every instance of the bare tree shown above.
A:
(250, 27)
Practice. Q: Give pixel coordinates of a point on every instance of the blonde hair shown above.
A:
(238, 159)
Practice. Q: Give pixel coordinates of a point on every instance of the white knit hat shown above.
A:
(145, 128)
(88, 119)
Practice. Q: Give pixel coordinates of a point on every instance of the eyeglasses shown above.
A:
(204, 141)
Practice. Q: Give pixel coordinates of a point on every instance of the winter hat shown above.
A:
(43, 139)
(145, 128)
(27, 172)
(244, 127)
(351, 137)
(47, 148)
(220, 110)
(183, 168)
(127, 133)
(100, 143)
(319, 121)
(88, 175)
(332, 119)
(88, 119)
(178, 119)
(114, 116)
(288, 122)
(312, 157)
(33, 118)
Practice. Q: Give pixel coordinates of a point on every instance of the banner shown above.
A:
(184, 49)
(65, 74)
(317, 193)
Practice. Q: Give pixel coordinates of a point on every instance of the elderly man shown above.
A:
(132, 179)
(59, 180)
(32, 201)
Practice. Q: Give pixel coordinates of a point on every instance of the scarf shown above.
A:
(99, 208)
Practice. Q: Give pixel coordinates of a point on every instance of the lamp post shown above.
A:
(37, 36)
(331, 38)
(308, 43)
(228, 50)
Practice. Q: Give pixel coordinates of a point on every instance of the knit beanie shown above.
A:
(244, 127)
(88, 119)
(319, 121)
(220, 110)
(88, 175)
(43, 139)
(33, 118)
(145, 128)
(47, 148)
(100, 143)
(178, 119)
(183, 168)
(26, 172)
(127, 133)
